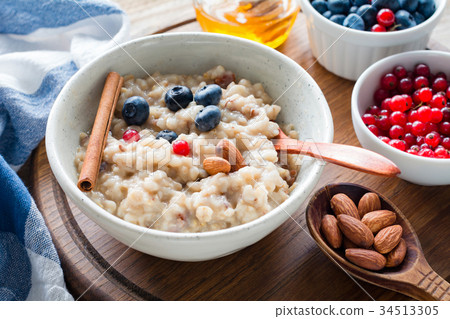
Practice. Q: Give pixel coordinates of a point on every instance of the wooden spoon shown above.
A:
(414, 277)
(353, 157)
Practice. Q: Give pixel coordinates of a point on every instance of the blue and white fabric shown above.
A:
(42, 44)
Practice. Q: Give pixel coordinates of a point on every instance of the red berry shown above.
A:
(425, 95)
(396, 132)
(374, 130)
(446, 114)
(382, 122)
(400, 71)
(385, 17)
(446, 142)
(385, 105)
(441, 75)
(398, 103)
(409, 102)
(438, 100)
(131, 135)
(412, 152)
(424, 114)
(380, 95)
(418, 128)
(432, 139)
(388, 81)
(413, 116)
(398, 144)
(409, 139)
(368, 119)
(374, 110)
(422, 69)
(384, 139)
(378, 28)
(416, 98)
(448, 92)
(444, 128)
(426, 152)
(181, 147)
(405, 85)
(420, 82)
(431, 127)
(441, 152)
(397, 118)
(439, 85)
(408, 127)
(436, 115)
(420, 140)
(385, 112)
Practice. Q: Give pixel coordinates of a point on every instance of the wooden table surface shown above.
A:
(287, 264)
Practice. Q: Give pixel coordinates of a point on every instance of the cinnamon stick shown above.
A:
(99, 134)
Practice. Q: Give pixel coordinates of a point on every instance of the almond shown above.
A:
(342, 204)
(214, 165)
(331, 231)
(365, 258)
(368, 203)
(228, 151)
(347, 243)
(379, 219)
(396, 256)
(355, 230)
(387, 239)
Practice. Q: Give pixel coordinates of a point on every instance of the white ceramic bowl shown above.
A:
(415, 169)
(188, 53)
(348, 52)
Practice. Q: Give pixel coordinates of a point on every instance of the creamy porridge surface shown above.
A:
(147, 184)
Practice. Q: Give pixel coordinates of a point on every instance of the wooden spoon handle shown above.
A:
(434, 286)
(353, 157)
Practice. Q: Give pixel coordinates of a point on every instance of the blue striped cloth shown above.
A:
(42, 44)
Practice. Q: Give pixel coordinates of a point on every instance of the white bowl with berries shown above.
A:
(401, 109)
(353, 34)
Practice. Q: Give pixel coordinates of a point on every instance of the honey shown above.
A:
(265, 21)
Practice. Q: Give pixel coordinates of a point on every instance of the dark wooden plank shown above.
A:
(286, 265)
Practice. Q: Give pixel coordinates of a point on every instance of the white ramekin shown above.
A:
(348, 52)
(415, 169)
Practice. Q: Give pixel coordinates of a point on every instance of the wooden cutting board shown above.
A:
(286, 265)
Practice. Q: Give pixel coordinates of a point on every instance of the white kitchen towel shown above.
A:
(42, 44)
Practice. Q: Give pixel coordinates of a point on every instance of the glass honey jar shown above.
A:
(265, 21)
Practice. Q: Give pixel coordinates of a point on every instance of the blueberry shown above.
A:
(320, 5)
(359, 3)
(353, 9)
(418, 17)
(404, 20)
(178, 97)
(339, 6)
(208, 118)
(426, 8)
(327, 14)
(135, 110)
(338, 18)
(354, 21)
(369, 14)
(167, 135)
(409, 5)
(394, 5)
(208, 95)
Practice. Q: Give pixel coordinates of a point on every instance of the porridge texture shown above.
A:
(146, 183)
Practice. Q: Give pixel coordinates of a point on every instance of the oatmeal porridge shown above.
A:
(164, 127)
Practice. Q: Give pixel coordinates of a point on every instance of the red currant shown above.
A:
(400, 71)
(409, 139)
(388, 81)
(408, 127)
(374, 110)
(448, 92)
(413, 116)
(409, 102)
(398, 103)
(444, 128)
(181, 147)
(378, 28)
(130, 136)
(441, 152)
(396, 132)
(432, 139)
(398, 144)
(421, 82)
(422, 69)
(431, 127)
(424, 114)
(380, 95)
(397, 118)
(385, 17)
(441, 75)
(418, 128)
(385, 105)
(420, 140)
(412, 152)
(374, 130)
(436, 115)
(438, 100)
(446, 114)
(439, 85)
(382, 122)
(425, 95)
(405, 85)
(426, 152)
(416, 98)
(446, 142)
(384, 139)
(385, 112)
(368, 119)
